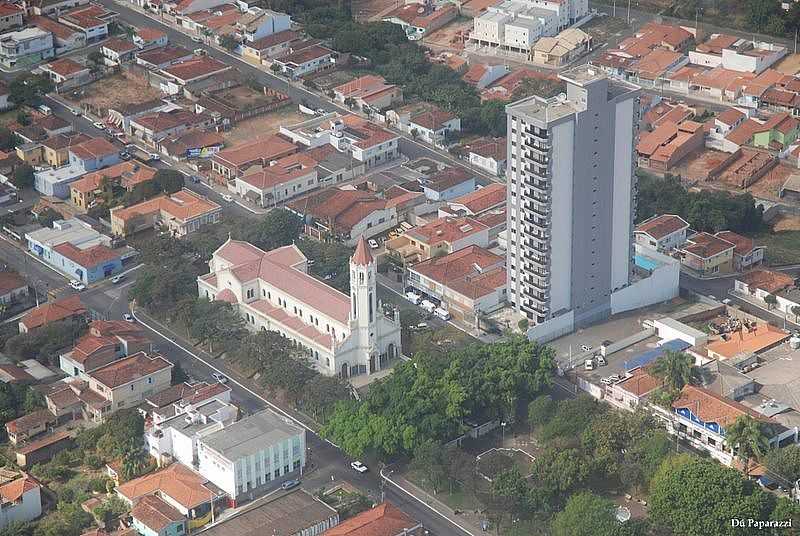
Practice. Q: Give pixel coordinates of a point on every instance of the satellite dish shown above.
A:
(622, 514)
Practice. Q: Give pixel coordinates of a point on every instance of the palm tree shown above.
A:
(770, 300)
(796, 312)
(746, 436)
(676, 369)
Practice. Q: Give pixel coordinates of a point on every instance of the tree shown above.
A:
(168, 180)
(796, 312)
(228, 42)
(759, 13)
(784, 462)
(746, 437)
(676, 369)
(430, 464)
(523, 324)
(178, 374)
(571, 417)
(28, 89)
(699, 497)
(23, 118)
(216, 323)
(562, 470)
(68, 520)
(350, 102)
(540, 410)
(23, 176)
(47, 216)
(586, 514)
(770, 300)
(277, 228)
(8, 140)
(17, 528)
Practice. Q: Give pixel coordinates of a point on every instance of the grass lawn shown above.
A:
(460, 498)
(782, 247)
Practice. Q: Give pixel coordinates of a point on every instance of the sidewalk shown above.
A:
(469, 522)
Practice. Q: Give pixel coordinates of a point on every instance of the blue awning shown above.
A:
(641, 360)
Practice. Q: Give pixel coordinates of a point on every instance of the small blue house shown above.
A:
(448, 184)
(153, 516)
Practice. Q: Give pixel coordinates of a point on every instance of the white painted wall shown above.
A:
(622, 218)
(561, 216)
(662, 285)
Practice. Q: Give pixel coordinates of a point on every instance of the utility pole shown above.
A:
(629, 12)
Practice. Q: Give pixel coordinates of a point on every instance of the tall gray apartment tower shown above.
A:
(571, 199)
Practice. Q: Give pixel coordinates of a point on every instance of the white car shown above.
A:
(117, 278)
(586, 348)
(77, 285)
(76, 112)
(601, 360)
(372, 243)
(197, 39)
(444, 314)
(588, 364)
(98, 124)
(228, 198)
(413, 298)
(127, 317)
(606, 381)
(360, 467)
(221, 378)
(428, 306)
(154, 156)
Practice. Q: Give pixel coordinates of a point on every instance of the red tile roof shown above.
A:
(446, 230)
(711, 407)
(640, 383)
(150, 34)
(263, 149)
(490, 148)
(163, 55)
(129, 369)
(89, 257)
(54, 311)
(155, 514)
(282, 171)
(14, 490)
(747, 341)
(383, 520)
(305, 55)
(21, 425)
(176, 481)
(767, 280)
(120, 46)
(488, 197)
(660, 226)
(10, 281)
(472, 271)
(743, 244)
(183, 205)
(195, 68)
(16, 373)
(272, 40)
(706, 245)
(362, 255)
(432, 119)
(93, 148)
(730, 116)
(64, 67)
(8, 9)
(59, 31)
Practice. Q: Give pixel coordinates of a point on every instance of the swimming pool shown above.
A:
(645, 263)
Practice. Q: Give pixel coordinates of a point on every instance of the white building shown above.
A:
(345, 335)
(571, 199)
(20, 501)
(25, 47)
(279, 182)
(515, 25)
(259, 23)
(662, 233)
(249, 456)
(736, 54)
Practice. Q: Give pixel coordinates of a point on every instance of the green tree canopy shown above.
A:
(23, 176)
(748, 439)
(586, 514)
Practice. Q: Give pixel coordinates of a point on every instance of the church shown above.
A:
(272, 290)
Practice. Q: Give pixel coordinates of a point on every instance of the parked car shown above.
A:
(197, 39)
(117, 278)
(43, 108)
(98, 124)
(127, 317)
(154, 157)
(586, 348)
(588, 364)
(200, 52)
(413, 298)
(372, 243)
(227, 197)
(444, 314)
(360, 467)
(195, 179)
(289, 484)
(427, 305)
(75, 111)
(77, 285)
(125, 155)
(221, 378)
(601, 361)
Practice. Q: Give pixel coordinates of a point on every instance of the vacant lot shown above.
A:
(451, 35)
(783, 247)
(364, 10)
(115, 90)
(786, 223)
(263, 125)
(788, 65)
(603, 29)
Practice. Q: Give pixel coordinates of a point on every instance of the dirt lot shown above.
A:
(786, 223)
(448, 36)
(331, 79)
(696, 167)
(263, 125)
(113, 90)
(602, 29)
(769, 185)
(788, 65)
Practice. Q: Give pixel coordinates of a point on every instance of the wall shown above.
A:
(660, 286)
(29, 509)
(553, 328)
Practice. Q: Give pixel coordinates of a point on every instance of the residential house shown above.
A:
(418, 20)
(304, 58)
(427, 122)
(279, 182)
(294, 514)
(470, 282)
(185, 7)
(65, 38)
(84, 192)
(262, 50)
(363, 141)
(664, 232)
(69, 307)
(43, 449)
(562, 49)
(669, 144)
(154, 127)
(192, 70)
(247, 457)
(750, 339)
(489, 155)
(736, 54)
(105, 342)
(55, 149)
(184, 489)
(192, 144)
(481, 75)
(15, 374)
(778, 132)
(448, 183)
(66, 73)
(52, 7)
(345, 214)
(118, 51)
(761, 283)
(147, 38)
(10, 16)
(274, 291)
(20, 48)
(92, 20)
(12, 287)
(29, 426)
(707, 254)
(93, 154)
(259, 23)
(439, 237)
(180, 213)
(382, 519)
(747, 254)
(126, 382)
(489, 198)
(632, 391)
(368, 92)
(41, 129)
(75, 249)
(152, 516)
(162, 57)
(790, 190)
(180, 398)
(231, 163)
(21, 500)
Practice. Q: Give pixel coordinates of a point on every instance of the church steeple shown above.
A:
(362, 255)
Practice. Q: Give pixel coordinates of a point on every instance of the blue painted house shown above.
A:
(152, 516)
(448, 184)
